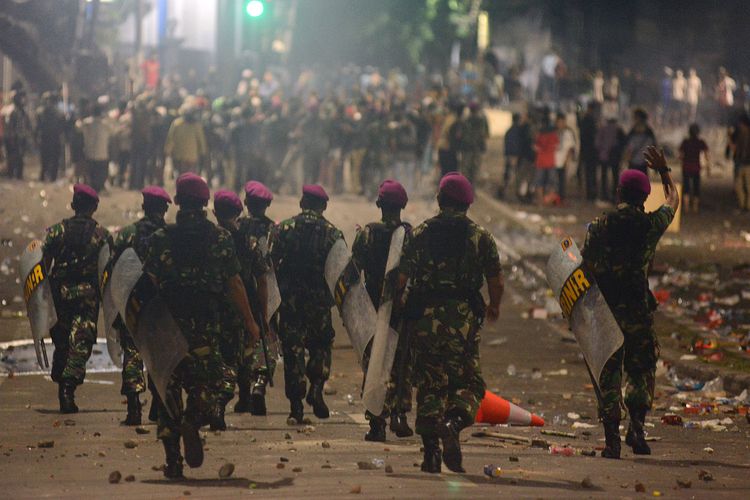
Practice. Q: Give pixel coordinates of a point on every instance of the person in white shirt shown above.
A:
(693, 94)
(565, 152)
(97, 134)
(679, 91)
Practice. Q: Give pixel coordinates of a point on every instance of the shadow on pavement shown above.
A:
(234, 482)
(503, 481)
(50, 411)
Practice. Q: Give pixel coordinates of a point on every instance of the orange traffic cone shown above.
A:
(496, 410)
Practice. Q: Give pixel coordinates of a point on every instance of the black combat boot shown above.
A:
(377, 430)
(258, 396)
(153, 410)
(431, 461)
(611, 439)
(217, 418)
(400, 427)
(173, 469)
(192, 443)
(134, 410)
(297, 413)
(448, 430)
(244, 404)
(315, 399)
(66, 394)
(636, 437)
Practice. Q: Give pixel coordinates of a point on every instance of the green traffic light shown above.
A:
(255, 8)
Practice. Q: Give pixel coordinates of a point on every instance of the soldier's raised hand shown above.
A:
(655, 159)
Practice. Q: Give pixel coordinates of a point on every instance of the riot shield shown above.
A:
(582, 303)
(155, 332)
(272, 345)
(351, 298)
(386, 338)
(109, 310)
(40, 305)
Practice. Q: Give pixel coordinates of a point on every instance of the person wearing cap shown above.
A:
(233, 342)
(255, 370)
(299, 248)
(370, 254)
(73, 245)
(136, 236)
(446, 261)
(194, 266)
(619, 250)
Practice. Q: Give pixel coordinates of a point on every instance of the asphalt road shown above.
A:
(274, 460)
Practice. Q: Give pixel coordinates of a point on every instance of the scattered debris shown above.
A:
(586, 483)
(297, 469)
(389, 469)
(130, 478)
(504, 437)
(325, 444)
(366, 466)
(142, 430)
(639, 487)
(280, 465)
(708, 450)
(493, 470)
(356, 490)
(684, 484)
(45, 444)
(548, 432)
(226, 470)
(130, 444)
(115, 477)
(513, 458)
(704, 475)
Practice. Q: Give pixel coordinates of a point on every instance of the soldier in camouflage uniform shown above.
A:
(254, 374)
(136, 236)
(71, 252)
(195, 268)
(233, 341)
(299, 248)
(370, 254)
(619, 249)
(446, 260)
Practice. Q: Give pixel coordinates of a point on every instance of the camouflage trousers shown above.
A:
(471, 160)
(231, 347)
(447, 373)
(197, 376)
(133, 381)
(399, 388)
(74, 335)
(304, 325)
(253, 365)
(637, 357)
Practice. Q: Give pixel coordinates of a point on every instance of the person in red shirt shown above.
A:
(690, 155)
(545, 147)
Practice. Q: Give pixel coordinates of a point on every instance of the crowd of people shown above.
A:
(345, 132)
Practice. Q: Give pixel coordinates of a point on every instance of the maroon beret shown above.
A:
(193, 186)
(315, 190)
(156, 193)
(85, 190)
(227, 199)
(635, 180)
(258, 190)
(457, 187)
(393, 193)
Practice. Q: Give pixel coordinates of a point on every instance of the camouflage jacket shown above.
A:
(137, 236)
(447, 258)
(370, 253)
(619, 249)
(253, 264)
(299, 248)
(191, 262)
(74, 245)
